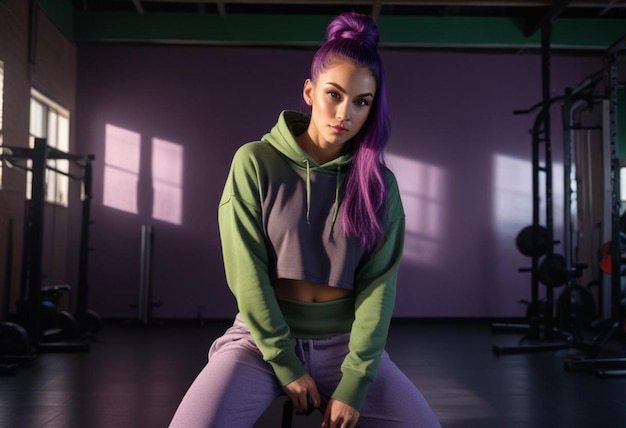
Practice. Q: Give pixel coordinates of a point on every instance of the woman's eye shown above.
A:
(333, 94)
(362, 103)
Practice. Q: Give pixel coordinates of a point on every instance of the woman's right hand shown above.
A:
(300, 391)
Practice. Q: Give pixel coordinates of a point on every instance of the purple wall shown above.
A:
(461, 157)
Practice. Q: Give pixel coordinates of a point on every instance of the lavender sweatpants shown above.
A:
(236, 386)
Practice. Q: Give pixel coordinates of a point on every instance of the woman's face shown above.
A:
(340, 98)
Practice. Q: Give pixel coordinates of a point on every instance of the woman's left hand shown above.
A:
(339, 415)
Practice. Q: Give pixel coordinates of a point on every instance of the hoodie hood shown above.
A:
(282, 138)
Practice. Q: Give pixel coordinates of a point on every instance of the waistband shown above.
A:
(318, 320)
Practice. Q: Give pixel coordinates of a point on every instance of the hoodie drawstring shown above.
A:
(308, 190)
(308, 196)
(336, 209)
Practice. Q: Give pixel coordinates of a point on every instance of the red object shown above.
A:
(606, 264)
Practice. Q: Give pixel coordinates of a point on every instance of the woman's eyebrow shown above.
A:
(366, 94)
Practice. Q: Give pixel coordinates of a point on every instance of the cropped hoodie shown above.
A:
(279, 217)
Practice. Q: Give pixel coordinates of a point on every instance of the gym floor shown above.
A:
(134, 377)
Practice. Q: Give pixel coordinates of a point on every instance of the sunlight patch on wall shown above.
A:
(512, 194)
(513, 198)
(167, 181)
(121, 170)
(423, 188)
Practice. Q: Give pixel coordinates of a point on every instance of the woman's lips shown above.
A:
(338, 129)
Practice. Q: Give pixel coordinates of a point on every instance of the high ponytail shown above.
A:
(353, 26)
(354, 37)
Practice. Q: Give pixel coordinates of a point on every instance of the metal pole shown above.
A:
(616, 248)
(607, 206)
(546, 30)
(35, 241)
(83, 262)
(145, 274)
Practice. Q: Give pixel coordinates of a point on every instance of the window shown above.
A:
(51, 121)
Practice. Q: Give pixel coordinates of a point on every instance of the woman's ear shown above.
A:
(307, 91)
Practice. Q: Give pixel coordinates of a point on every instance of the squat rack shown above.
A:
(29, 304)
(592, 360)
(541, 329)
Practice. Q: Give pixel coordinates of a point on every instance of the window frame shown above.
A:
(53, 124)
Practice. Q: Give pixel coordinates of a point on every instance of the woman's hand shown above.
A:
(340, 415)
(301, 391)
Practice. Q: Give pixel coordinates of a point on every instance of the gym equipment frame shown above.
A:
(591, 361)
(29, 305)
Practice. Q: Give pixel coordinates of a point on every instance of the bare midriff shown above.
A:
(308, 292)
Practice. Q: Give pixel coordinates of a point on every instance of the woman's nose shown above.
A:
(343, 111)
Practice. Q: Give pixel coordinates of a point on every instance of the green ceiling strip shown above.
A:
(294, 30)
(308, 30)
(586, 32)
(498, 32)
(200, 28)
(452, 31)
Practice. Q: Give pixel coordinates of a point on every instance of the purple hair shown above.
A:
(353, 37)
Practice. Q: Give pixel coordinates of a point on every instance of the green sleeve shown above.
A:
(375, 299)
(246, 265)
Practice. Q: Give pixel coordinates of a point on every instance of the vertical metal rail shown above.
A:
(546, 31)
(568, 231)
(34, 244)
(568, 228)
(616, 250)
(572, 104)
(145, 275)
(542, 313)
(535, 310)
(607, 204)
(83, 261)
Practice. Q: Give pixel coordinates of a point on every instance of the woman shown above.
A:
(312, 232)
